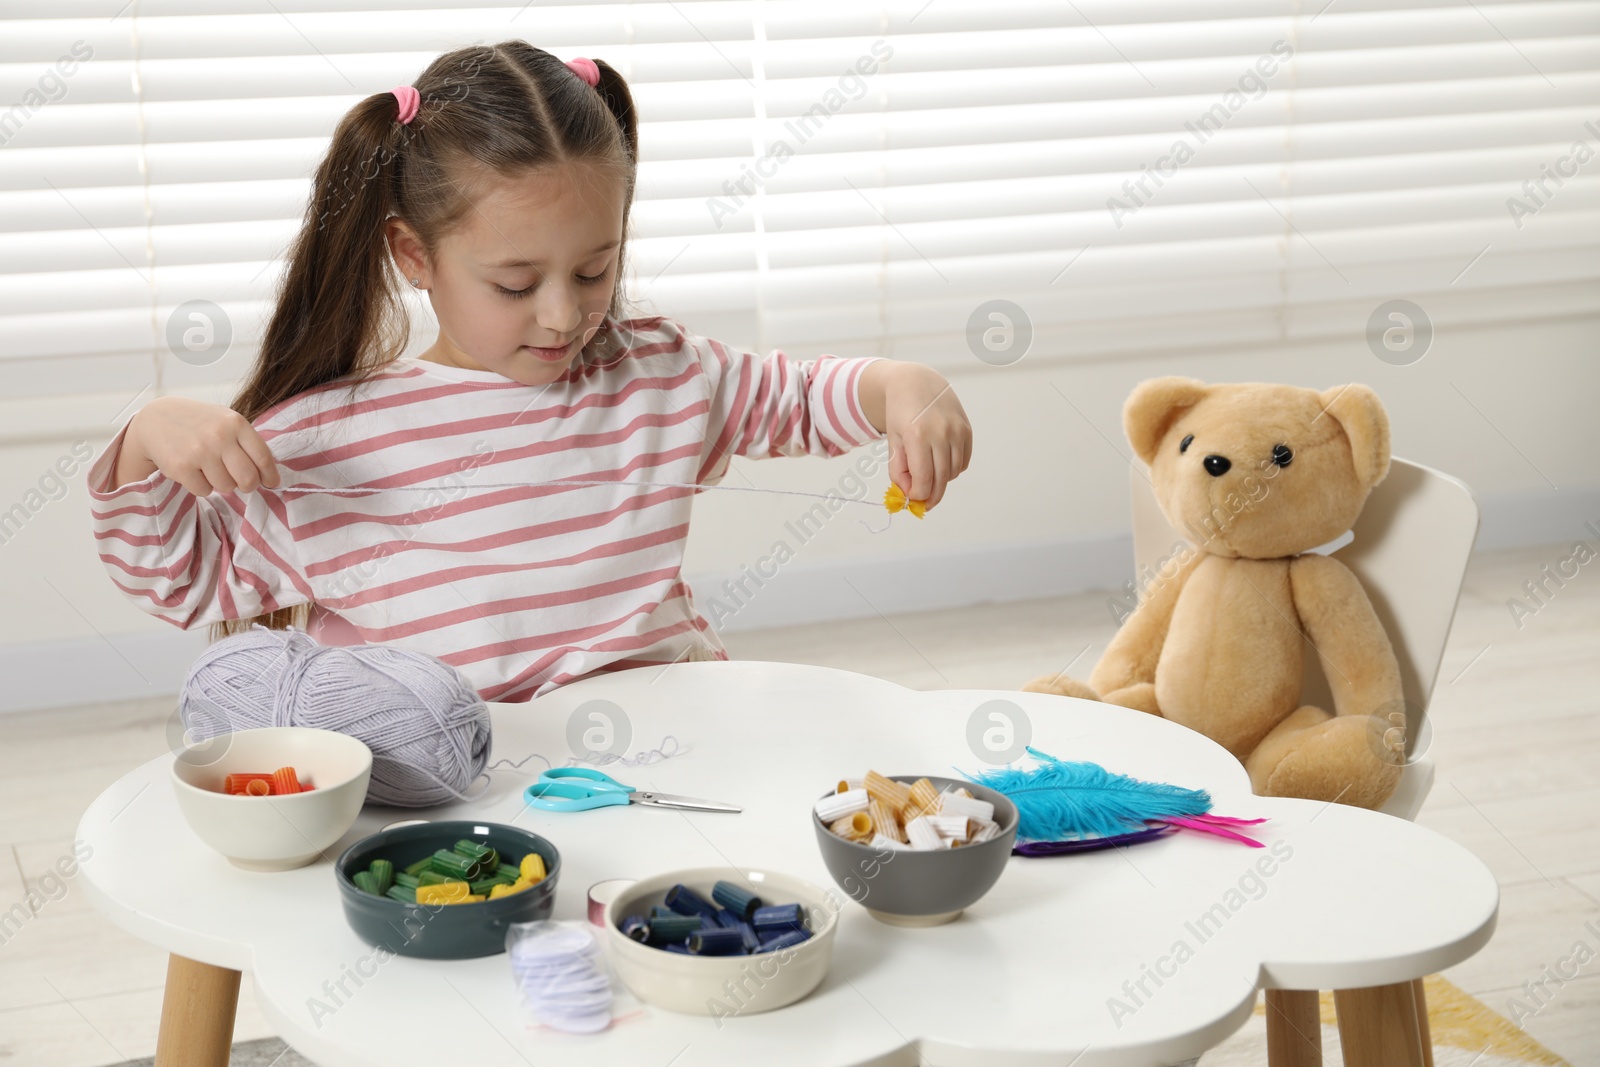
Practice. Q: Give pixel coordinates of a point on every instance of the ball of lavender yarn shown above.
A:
(426, 725)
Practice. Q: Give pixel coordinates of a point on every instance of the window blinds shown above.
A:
(854, 178)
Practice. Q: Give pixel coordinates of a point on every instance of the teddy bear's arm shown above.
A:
(1130, 659)
(1357, 656)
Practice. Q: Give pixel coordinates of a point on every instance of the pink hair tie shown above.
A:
(410, 102)
(585, 69)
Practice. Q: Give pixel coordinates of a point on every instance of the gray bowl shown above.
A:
(913, 887)
(443, 931)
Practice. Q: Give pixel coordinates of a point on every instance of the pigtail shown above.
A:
(338, 309)
(613, 89)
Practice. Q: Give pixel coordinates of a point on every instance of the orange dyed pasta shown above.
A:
(283, 780)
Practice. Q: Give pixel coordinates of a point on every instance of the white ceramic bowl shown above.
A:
(273, 833)
(699, 985)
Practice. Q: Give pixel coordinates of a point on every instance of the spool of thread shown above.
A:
(603, 893)
(426, 725)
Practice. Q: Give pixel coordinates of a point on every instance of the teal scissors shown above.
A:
(580, 789)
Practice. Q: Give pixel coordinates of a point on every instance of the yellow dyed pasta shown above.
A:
(923, 800)
(895, 794)
(884, 820)
(445, 893)
(901, 815)
(856, 827)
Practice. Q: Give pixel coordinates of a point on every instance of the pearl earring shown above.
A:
(416, 281)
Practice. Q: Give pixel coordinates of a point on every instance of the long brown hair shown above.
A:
(486, 110)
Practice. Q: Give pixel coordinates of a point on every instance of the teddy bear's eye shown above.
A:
(1282, 455)
(1183, 446)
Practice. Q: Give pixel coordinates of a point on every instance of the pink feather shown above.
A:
(1209, 828)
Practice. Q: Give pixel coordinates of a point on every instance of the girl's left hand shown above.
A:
(930, 439)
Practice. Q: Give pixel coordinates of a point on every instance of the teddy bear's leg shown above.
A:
(1316, 755)
(1140, 697)
(1062, 686)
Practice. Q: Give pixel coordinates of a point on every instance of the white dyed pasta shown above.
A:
(841, 804)
(922, 834)
(953, 827)
(971, 807)
(982, 830)
(879, 841)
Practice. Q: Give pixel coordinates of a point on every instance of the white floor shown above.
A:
(1516, 733)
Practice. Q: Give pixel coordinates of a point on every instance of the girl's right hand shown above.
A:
(204, 447)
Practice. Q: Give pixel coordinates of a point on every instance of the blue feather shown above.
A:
(1058, 801)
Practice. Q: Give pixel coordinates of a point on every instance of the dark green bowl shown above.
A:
(443, 931)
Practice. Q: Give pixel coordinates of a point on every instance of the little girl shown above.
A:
(500, 184)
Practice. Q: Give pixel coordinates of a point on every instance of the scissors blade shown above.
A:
(668, 800)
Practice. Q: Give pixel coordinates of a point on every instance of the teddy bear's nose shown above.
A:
(1217, 466)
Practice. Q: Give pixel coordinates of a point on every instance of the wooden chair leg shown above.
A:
(197, 1012)
(1378, 1026)
(1294, 1028)
(1421, 997)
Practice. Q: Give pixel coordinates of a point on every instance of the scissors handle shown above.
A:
(570, 796)
(597, 781)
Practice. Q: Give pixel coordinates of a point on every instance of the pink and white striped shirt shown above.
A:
(523, 589)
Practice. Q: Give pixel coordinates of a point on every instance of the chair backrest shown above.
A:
(1410, 551)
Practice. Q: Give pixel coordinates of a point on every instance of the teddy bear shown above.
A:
(1257, 475)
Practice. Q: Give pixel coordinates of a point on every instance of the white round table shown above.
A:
(1144, 955)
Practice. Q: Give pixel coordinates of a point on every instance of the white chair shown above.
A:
(1410, 552)
(1409, 549)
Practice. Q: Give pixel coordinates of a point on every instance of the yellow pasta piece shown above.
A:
(443, 893)
(923, 800)
(884, 820)
(895, 794)
(856, 827)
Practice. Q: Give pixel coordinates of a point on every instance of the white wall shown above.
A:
(1041, 511)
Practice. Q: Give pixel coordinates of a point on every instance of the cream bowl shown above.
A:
(722, 986)
(273, 833)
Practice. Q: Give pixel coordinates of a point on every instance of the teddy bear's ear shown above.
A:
(1366, 424)
(1152, 407)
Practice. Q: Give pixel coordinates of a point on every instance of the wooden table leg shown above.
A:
(1294, 1028)
(1420, 995)
(196, 1014)
(1378, 1026)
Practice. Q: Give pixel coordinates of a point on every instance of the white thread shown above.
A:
(604, 758)
(582, 481)
(562, 481)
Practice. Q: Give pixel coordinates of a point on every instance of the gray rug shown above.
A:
(268, 1052)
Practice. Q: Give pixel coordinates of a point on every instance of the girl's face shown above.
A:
(525, 279)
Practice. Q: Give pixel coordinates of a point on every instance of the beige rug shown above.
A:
(1466, 1032)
